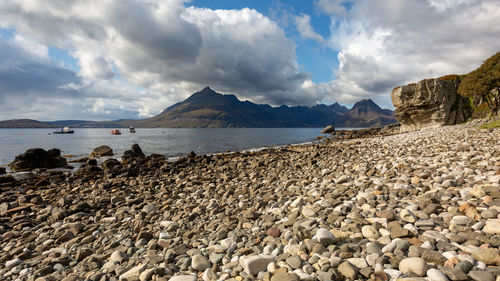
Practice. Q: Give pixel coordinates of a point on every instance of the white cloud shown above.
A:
(303, 24)
(337, 7)
(32, 48)
(139, 56)
(164, 46)
(386, 43)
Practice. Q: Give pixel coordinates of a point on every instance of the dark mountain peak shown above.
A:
(366, 102)
(367, 105)
(207, 90)
(366, 108)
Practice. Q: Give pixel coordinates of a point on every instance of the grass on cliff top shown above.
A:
(491, 125)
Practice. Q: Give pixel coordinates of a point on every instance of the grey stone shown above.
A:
(481, 276)
(200, 263)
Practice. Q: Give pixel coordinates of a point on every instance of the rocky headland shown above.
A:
(421, 205)
(430, 103)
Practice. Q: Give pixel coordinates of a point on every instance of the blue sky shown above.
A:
(83, 60)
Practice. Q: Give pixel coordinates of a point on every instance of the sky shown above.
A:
(120, 59)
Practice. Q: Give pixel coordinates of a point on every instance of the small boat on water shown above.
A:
(131, 130)
(116, 132)
(65, 130)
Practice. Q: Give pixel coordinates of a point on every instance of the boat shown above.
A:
(65, 130)
(116, 132)
(131, 129)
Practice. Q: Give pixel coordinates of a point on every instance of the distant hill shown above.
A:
(207, 108)
(25, 123)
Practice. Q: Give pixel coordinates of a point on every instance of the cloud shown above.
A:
(137, 57)
(336, 7)
(33, 87)
(386, 43)
(303, 24)
(165, 49)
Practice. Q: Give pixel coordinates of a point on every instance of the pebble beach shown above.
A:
(421, 205)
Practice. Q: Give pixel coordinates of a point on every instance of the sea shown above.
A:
(171, 142)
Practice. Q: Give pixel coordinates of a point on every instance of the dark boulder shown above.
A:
(38, 158)
(3, 171)
(191, 155)
(134, 153)
(102, 150)
(110, 164)
(136, 149)
(328, 130)
(7, 179)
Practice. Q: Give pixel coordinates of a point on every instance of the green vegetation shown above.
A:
(483, 84)
(491, 125)
(449, 77)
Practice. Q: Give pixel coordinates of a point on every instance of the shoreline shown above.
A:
(418, 202)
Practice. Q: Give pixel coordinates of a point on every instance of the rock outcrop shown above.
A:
(38, 158)
(328, 130)
(430, 103)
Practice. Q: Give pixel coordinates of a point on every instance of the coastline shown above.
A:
(322, 211)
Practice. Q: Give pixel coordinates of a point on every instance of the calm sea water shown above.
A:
(169, 142)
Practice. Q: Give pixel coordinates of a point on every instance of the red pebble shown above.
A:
(274, 232)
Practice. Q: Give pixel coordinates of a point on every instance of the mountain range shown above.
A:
(207, 108)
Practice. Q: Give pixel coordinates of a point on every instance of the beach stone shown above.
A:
(348, 270)
(326, 276)
(255, 264)
(169, 225)
(3, 171)
(13, 262)
(358, 262)
(436, 275)
(453, 273)
(492, 226)
(183, 278)
(147, 274)
(294, 261)
(149, 208)
(489, 256)
(393, 274)
(464, 266)
(308, 212)
(397, 231)
(133, 273)
(284, 276)
(407, 216)
(328, 130)
(433, 257)
(82, 253)
(325, 237)
(481, 276)
(372, 248)
(489, 214)
(415, 265)
(101, 151)
(200, 263)
(477, 191)
(118, 256)
(38, 158)
(273, 232)
(370, 232)
(460, 220)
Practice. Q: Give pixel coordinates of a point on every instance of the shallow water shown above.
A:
(171, 142)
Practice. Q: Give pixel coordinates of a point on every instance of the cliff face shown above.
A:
(430, 103)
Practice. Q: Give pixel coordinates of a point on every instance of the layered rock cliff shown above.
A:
(430, 103)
